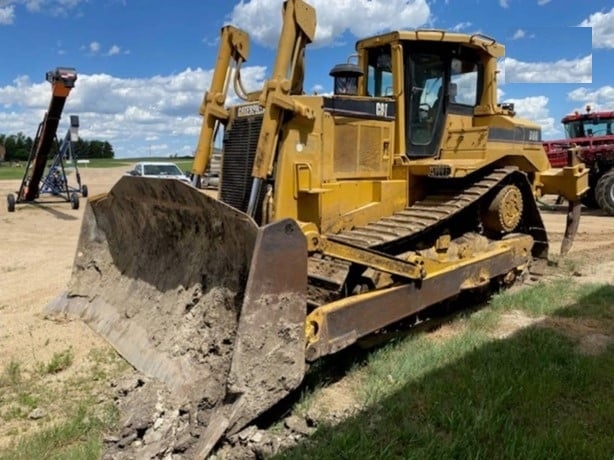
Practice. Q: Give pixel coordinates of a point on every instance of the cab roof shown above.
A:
(587, 116)
(477, 41)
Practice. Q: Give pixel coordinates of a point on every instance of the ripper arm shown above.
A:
(570, 182)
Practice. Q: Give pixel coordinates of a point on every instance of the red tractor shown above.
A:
(593, 134)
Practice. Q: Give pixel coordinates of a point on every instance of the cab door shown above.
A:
(426, 82)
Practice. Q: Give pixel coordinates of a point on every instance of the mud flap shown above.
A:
(191, 292)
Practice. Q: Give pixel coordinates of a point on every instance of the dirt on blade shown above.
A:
(177, 282)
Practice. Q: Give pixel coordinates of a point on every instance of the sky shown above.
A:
(143, 66)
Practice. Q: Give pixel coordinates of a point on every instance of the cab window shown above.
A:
(463, 89)
(379, 72)
(427, 101)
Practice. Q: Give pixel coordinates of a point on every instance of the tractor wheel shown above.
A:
(604, 192)
(84, 191)
(10, 202)
(74, 201)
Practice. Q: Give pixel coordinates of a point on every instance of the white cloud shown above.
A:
(501, 71)
(599, 99)
(561, 71)
(542, 2)
(519, 34)
(211, 41)
(262, 18)
(461, 26)
(54, 7)
(504, 3)
(603, 28)
(113, 50)
(94, 47)
(132, 114)
(7, 15)
(535, 109)
(317, 89)
(34, 5)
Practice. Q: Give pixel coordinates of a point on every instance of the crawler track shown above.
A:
(454, 209)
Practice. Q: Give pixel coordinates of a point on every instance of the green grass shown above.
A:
(79, 437)
(76, 417)
(59, 362)
(11, 374)
(106, 163)
(16, 173)
(595, 301)
(11, 173)
(183, 163)
(532, 395)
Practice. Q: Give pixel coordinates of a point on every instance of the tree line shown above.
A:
(18, 147)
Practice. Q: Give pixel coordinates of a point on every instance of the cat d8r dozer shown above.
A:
(337, 216)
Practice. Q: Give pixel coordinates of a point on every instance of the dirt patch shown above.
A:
(597, 273)
(592, 337)
(445, 330)
(334, 403)
(512, 322)
(38, 247)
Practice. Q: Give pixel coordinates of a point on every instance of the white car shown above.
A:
(159, 170)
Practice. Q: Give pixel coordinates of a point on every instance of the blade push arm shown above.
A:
(298, 30)
(233, 51)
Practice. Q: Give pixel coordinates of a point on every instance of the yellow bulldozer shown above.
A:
(338, 215)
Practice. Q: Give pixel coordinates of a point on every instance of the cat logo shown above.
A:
(381, 109)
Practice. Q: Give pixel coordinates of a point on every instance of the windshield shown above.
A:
(588, 128)
(161, 170)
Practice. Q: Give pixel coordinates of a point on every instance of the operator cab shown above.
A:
(438, 78)
(589, 124)
(441, 79)
(426, 75)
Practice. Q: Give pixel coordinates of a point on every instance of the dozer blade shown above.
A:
(192, 292)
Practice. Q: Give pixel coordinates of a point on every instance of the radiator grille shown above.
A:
(240, 141)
